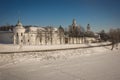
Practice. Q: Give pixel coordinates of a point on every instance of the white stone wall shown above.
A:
(6, 37)
(73, 40)
(31, 39)
(90, 39)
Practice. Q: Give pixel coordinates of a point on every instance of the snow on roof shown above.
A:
(55, 29)
(34, 29)
(41, 28)
(6, 31)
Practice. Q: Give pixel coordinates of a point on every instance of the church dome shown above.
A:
(74, 21)
(19, 24)
(74, 24)
(19, 28)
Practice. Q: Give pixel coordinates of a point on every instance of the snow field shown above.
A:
(95, 63)
(52, 55)
(17, 48)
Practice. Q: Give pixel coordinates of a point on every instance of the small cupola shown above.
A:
(19, 28)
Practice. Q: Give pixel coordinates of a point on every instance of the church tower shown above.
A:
(19, 31)
(74, 24)
(88, 27)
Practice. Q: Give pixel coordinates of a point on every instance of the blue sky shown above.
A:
(100, 14)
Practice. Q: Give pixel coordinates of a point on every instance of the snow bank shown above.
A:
(95, 63)
(52, 55)
(18, 48)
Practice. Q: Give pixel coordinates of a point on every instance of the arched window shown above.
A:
(21, 34)
(17, 34)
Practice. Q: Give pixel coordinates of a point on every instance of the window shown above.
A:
(17, 34)
(21, 34)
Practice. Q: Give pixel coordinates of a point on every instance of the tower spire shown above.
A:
(88, 27)
(19, 22)
(74, 22)
(19, 19)
(18, 13)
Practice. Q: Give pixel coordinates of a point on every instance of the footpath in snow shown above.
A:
(10, 48)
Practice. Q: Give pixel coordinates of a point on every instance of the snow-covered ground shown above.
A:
(18, 48)
(98, 63)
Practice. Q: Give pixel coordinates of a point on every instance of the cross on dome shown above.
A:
(19, 24)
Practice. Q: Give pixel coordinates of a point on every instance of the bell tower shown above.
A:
(74, 24)
(88, 27)
(19, 31)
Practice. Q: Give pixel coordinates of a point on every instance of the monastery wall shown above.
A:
(6, 37)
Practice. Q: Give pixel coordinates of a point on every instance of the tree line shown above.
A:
(113, 35)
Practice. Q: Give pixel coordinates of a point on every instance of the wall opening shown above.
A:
(17, 34)
(21, 34)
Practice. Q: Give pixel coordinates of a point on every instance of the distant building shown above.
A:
(88, 28)
(43, 35)
(32, 35)
(78, 34)
(75, 35)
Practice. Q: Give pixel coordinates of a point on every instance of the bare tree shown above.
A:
(82, 34)
(118, 30)
(69, 33)
(60, 33)
(39, 35)
(114, 37)
(49, 34)
(66, 33)
(105, 36)
(45, 37)
(77, 33)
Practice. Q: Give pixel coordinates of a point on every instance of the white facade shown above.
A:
(19, 33)
(35, 35)
(6, 37)
(41, 36)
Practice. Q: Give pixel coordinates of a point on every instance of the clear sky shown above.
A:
(100, 14)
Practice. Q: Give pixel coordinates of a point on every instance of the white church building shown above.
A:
(41, 35)
(32, 35)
